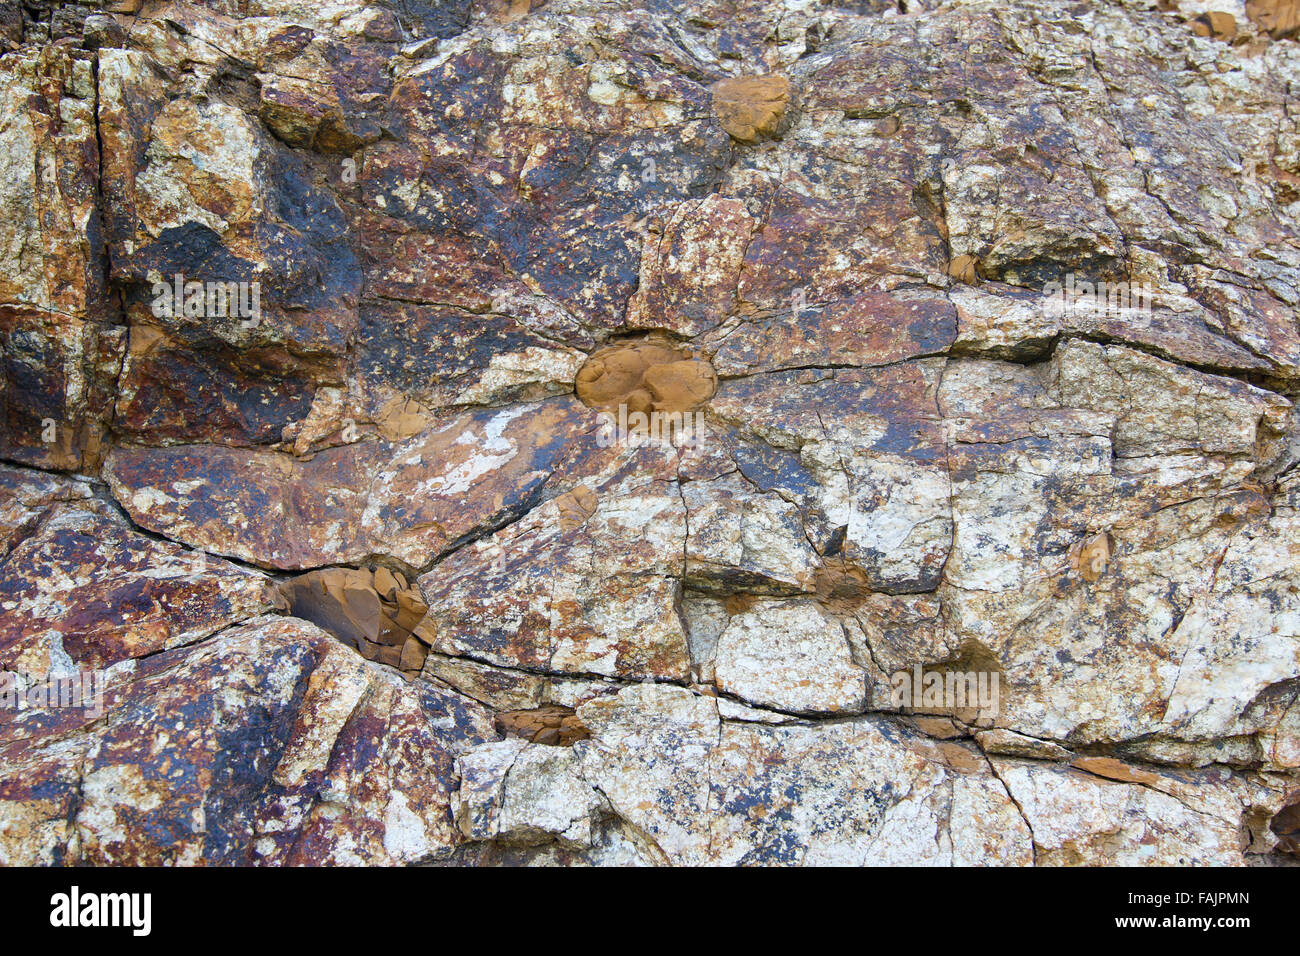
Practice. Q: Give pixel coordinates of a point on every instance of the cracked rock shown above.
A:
(982, 316)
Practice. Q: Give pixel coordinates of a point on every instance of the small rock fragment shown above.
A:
(400, 418)
(963, 269)
(102, 32)
(1090, 556)
(576, 507)
(751, 108)
(11, 25)
(678, 386)
(1279, 18)
(552, 725)
(375, 612)
(841, 587)
(1217, 24)
(645, 378)
(1286, 826)
(1008, 743)
(613, 375)
(941, 728)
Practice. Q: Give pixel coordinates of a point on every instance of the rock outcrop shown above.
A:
(317, 546)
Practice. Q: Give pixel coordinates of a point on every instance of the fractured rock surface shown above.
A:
(991, 315)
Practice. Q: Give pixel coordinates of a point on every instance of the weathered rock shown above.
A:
(410, 500)
(690, 266)
(740, 540)
(870, 328)
(1215, 23)
(1080, 819)
(645, 378)
(1083, 536)
(372, 611)
(788, 656)
(440, 357)
(1281, 18)
(343, 763)
(1161, 408)
(552, 724)
(597, 598)
(85, 590)
(515, 794)
(59, 353)
(751, 108)
(873, 447)
(516, 691)
(26, 497)
(706, 791)
(985, 317)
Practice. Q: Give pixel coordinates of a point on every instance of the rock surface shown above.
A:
(987, 551)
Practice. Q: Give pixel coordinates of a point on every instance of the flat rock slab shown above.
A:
(409, 500)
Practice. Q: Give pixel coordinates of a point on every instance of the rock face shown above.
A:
(316, 545)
